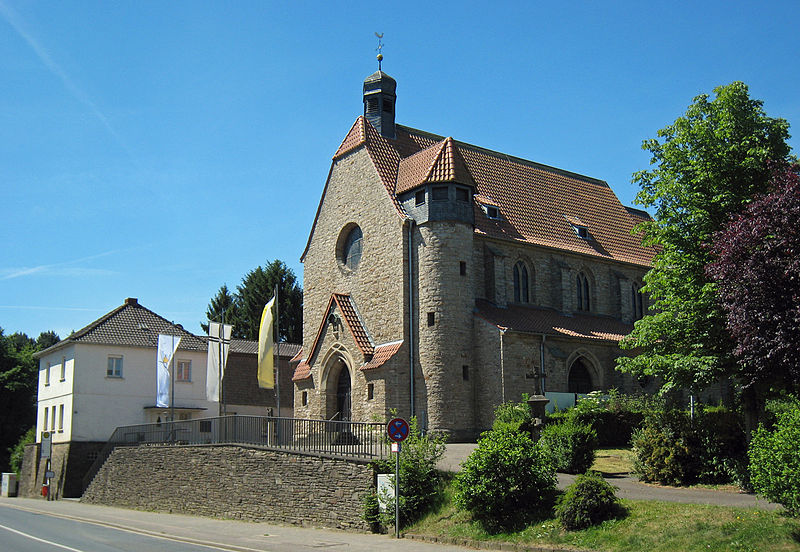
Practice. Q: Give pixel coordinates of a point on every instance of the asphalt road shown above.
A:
(34, 525)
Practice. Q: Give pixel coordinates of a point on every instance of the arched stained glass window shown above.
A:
(351, 252)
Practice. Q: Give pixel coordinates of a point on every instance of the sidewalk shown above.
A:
(236, 536)
(630, 487)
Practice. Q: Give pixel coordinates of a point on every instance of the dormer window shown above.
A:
(419, 197)
(462, 194)
(491, 211)
(582, 231)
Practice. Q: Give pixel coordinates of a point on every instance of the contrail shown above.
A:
(16, 23)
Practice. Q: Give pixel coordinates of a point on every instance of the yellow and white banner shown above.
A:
(266, 343)
(167, 345)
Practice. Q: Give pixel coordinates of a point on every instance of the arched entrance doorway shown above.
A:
(580, 379)
(343, 394)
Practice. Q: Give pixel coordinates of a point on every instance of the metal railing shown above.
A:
(349, 439)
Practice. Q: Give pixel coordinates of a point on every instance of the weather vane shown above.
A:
(379, 48)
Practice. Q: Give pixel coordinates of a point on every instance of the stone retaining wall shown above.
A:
(237, 483)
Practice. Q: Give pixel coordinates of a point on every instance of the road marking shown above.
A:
(40, 540)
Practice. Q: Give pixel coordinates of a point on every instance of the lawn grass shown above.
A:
(617, 461)
(649, 525)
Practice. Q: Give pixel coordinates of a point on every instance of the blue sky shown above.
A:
(159, 149)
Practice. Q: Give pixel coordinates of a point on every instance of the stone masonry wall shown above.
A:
(235, 482)
(69, 461)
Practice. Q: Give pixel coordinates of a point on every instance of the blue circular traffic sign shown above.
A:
(397, 429)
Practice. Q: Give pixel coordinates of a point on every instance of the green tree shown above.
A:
(223, 307)
(18, 382)
(707, 165)
(255, 291)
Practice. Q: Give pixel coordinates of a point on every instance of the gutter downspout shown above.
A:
(541, 363)
(411, 312)
(502, 369)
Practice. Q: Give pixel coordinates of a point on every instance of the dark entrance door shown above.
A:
(579, 379)
(343, 394)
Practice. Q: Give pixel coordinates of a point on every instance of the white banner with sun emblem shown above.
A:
(167, 345)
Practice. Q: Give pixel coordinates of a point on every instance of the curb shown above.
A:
(489, 545)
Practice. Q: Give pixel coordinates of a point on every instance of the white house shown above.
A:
(104, 376)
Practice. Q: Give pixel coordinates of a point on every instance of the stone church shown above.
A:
(442, 279)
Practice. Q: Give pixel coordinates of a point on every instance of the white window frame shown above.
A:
(47, 374)
(61, 418)
(46, 419)
(63, 368)
(115, 371)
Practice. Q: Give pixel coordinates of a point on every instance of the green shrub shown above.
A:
(420, 481)
(372, 512)
(665, 450)
(588, 501)
(514, 416)
(570, 445)
(775, 460)
(18, 450)
(506, 481)
(673, 449)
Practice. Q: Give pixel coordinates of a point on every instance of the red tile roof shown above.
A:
(550, 322)
(441, 162)
(382, 354)
(303, 371)
(351, 319)
(534, 199)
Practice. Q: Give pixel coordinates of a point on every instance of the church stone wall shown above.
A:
(236, 483)
(444, 319)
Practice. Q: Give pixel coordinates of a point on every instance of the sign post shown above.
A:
(398, 430)
(45, 452)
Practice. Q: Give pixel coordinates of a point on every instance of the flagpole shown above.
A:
(222, 408)
(172, 378)
(277, 350)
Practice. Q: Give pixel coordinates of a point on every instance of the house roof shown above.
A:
(251, 347)
(351, 319)
(130, 325)
(133, 325)
(382, 354)
(537, 320)
(536, 201)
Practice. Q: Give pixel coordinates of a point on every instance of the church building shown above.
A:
(442, 279)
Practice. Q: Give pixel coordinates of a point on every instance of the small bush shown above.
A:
(587, 502)
(514, 416)
(570, 445)
(372, 512)
(421, 482)
(775, 460)
(506, 481)
(664, 449)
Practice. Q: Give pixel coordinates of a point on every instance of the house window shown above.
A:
(53, 420)
(582, 289)
(184, 371)
(462, 194)
(462, 268)
(351, 248)
(304, 398)
(439, 193)
(637, 302)
(520, 283)
(61, 418)
(492, 212)
(44, 425)
(370, 391)
(582, 231)
(431, 319)
(419, 198)
(465, 373)
(63, 368)
(114, 369)
(47, 374)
